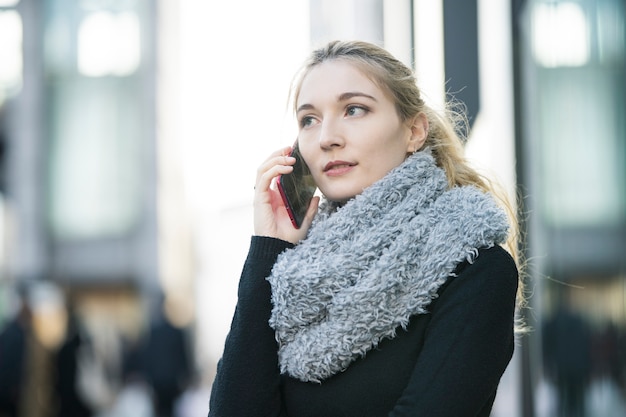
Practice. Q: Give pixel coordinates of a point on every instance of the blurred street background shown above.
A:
(130, 134)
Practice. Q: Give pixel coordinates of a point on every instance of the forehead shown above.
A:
(334, 78)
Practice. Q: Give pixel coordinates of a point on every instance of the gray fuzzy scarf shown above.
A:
(365, 268)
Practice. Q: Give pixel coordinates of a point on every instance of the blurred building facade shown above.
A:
(93, 187)
(571, 132)
(80, 184)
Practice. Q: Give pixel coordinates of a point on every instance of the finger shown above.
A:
(278, 163)
(276, 160)
(264, 180)
(282, 152)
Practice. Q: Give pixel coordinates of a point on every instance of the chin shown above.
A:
(339, 197)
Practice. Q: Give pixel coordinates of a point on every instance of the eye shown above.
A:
(354, 110)
(307, 121)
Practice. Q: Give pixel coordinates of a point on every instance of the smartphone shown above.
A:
(297, 189)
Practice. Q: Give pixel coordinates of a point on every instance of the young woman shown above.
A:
(396, 296)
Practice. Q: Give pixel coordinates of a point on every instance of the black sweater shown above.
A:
(446, 363)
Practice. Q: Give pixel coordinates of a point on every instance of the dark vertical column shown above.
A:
(460, 28)
(526, 384)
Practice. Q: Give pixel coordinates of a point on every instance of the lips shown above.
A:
(334, 168)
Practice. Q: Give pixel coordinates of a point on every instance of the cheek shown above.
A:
(390, 144)
(304, 143)
(307, 154)
(317, 178)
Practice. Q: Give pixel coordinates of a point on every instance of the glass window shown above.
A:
(10, 53)
(578, 51)
(98, 136)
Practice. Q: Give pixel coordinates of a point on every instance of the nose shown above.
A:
(331, 135)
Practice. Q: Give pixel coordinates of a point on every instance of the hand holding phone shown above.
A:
(297, 189)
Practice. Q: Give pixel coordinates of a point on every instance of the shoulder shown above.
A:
(494, 260)
(491, 274)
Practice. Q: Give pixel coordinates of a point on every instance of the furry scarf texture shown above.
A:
(366, 267)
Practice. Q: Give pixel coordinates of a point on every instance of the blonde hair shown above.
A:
(443, 138)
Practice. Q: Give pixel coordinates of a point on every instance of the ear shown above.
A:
(419, 133)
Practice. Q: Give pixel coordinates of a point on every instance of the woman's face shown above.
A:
(350, 133)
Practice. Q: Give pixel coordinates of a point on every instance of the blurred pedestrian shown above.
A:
(69, 400)
(567, 357)
(13, 341)
(165, 361)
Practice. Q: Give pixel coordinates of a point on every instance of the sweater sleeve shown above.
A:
(247, 382)
(468, 343)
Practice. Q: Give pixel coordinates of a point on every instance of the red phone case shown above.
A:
(283, 195)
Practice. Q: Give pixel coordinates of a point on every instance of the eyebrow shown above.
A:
(351, 94)
(343, 97)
